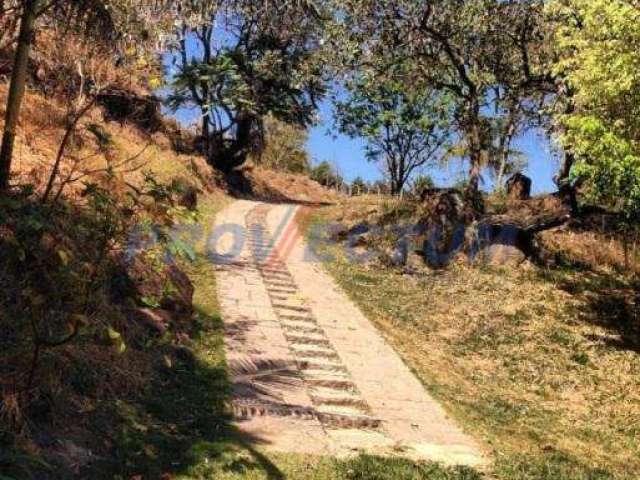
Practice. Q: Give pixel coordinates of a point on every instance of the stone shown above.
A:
(443, 205)
(442, 244)
(181, 300)
(359, 229)
(519, 187)
(498, 245)
(503, 255)
(400, 253)
(155, 320)
(337, 231)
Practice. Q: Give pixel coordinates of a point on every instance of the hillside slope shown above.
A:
(106, 293)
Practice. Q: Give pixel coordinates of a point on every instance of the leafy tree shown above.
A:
(247, 60)
(358, 186)
(422, 183)
(598, 42)
(285, 147)
(488, 57)
(403, 129)
(325, 174)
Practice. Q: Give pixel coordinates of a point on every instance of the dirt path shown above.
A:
(310, 373)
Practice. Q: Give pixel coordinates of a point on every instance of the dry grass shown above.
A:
(598, 251)
(541, 364)
(127, 155)
(262, 183)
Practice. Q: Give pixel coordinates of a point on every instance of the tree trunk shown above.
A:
(206, 139)
(396, 186)
(505, 147)
(474, 149)
(474, 172)
(625, 246)
(16, 89)
(566, 190)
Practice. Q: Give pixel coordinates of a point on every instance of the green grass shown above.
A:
(534, 363)
(178, 429)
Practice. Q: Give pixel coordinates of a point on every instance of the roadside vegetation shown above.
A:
(541, 363)
(111, 358)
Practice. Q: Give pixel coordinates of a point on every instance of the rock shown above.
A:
(504, 255)
(186, 193)
(181, 300)
(367, 239)
(360, 235)
(519, 187)
(155, 320)
(442, 244)
(443, 205)
(359, 229)
(337, 231)
(185, 356)
(358, 241)
(400, 253)
(498, 245)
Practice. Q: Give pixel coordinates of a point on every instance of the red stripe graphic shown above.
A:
(284, 244)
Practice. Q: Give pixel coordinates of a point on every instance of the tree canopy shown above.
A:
(405, 130)
(476, 73)
(599, 43)
(246, 61)
(489, 57)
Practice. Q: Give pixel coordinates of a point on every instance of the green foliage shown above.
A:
(403, 128)
(325, 174)
(61, 286)
(365, 467)
(550, 466)
(608, 164)
(220, 72)
(598, 42)
(285, 148)
(245, 61)
(422, 183)
(359, 186)
(489, 58)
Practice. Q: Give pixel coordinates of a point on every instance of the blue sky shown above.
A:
(325, 143)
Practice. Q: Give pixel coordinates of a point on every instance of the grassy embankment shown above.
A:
(540, 364)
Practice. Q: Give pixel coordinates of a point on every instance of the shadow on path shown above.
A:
(180, 426)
